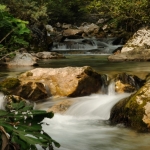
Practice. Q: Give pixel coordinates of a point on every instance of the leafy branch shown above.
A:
(20, 127)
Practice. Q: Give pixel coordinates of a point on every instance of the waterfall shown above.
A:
(103, 45)
(96, 105)
(75, 44)
(84, 126)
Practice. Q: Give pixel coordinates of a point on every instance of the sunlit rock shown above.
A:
(139, 39)
(68, 81)
(137, 48)
(72, 32)
(134, 111)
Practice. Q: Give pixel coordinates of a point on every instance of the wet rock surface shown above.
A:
(134, 111)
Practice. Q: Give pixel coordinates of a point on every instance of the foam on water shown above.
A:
(84, 126)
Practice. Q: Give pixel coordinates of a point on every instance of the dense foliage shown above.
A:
(126, 15)
(14, 32)
(17, 17)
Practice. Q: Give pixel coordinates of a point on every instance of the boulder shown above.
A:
(137, 54)
(49, 55)
(137, 48)
(89, 28)
(20, 59)
(139, 39)
(127, 83)
(72, 32)
(42, 83)
(134, 111)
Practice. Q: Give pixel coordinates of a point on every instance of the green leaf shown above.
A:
(32, 140)
(23, 124)
(17, 106)
(3, 113)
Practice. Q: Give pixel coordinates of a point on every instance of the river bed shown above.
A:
(85, 125)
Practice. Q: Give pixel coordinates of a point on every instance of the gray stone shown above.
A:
(20, 59)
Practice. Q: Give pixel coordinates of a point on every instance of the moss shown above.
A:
(130, 111)
(135, 113)
(29, 74)
(9, 84)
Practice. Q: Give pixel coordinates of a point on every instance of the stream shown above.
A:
(85, 124)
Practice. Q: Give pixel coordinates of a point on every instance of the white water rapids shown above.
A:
(85, 126)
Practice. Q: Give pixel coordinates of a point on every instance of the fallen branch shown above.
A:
(7, 35)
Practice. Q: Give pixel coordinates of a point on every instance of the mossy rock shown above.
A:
(134, 111)
(9, 84)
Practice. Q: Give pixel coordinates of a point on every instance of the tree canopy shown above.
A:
(17, 16)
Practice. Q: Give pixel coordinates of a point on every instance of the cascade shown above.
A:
(84, 125)
(103, 45)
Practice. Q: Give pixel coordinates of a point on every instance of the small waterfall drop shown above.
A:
(2, 101)
(83, 125)
(88, 44)
(96, 105)
(111, 88)
(75, 44)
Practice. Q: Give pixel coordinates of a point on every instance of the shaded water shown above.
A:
(97, 62)
(85, 125)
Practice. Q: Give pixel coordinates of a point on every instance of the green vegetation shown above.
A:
(21, 127)
(13, 31)
(18, 16)
(130, 111)
(8, 84)
(128, 15)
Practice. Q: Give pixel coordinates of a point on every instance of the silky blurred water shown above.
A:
(85, 125)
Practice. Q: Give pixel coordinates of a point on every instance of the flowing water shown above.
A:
(85, 125)
(104, 45)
